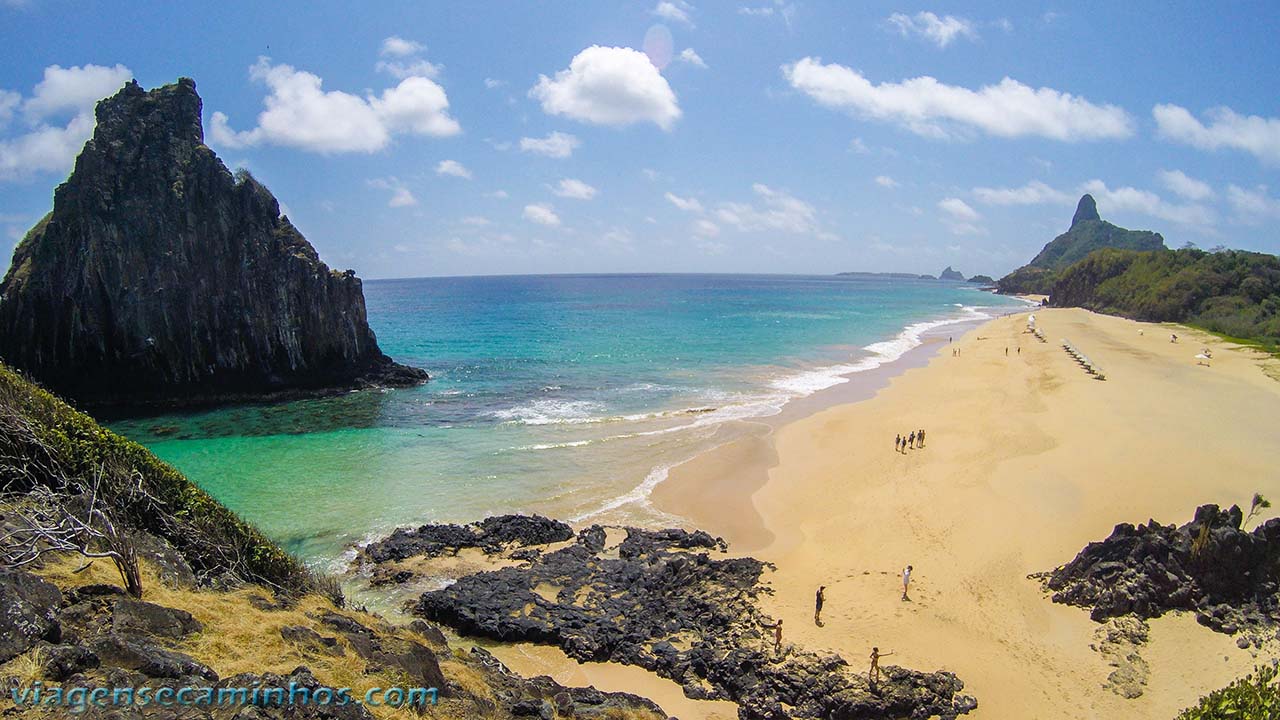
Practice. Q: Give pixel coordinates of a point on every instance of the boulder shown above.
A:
(137, 616)
(29, 609)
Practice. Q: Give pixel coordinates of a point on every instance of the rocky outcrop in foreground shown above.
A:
(660, 600)
(159, 278)
(1210, 566)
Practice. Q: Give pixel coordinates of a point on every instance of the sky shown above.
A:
(410, 139)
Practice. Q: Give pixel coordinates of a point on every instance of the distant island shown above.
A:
(947, 274)
(161, 279)
(1108, 269)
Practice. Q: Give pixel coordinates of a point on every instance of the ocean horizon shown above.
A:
(566, 395)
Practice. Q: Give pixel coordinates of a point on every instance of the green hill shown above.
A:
(1088, 232)
(1233, 292)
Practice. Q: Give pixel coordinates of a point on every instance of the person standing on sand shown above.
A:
(817, 605)
(873, 675)
(920, 438)
(1006, 351)
(897, 443)
(906, 583)
(777, 637)
(911, 439)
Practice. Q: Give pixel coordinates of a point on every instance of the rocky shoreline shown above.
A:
(1210, 566)
(670, 601)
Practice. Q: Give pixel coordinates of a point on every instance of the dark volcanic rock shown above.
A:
(62, 661)
(28, 612)
(159, 278)
(664, 604)
(1230, 578)
(491, 534)
(151, 619)
(949, 274)
(134, 652)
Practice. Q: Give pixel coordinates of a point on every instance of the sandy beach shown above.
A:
(1028, 459)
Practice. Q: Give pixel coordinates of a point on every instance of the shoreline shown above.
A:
(1022, 469)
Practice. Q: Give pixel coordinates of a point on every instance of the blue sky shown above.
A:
(411, 139)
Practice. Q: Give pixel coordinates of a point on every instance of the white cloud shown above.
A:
(1147, 203)
(47, 146)
(609, 86)
(9, 102)
(1185, 185)
(74, 89)
(886, 181)
(396, 46)
(959, 209)
(400, 195)
(928, 107)
(938, 30)
(574, 189)
(1253, 206)
(541, 213)
(781, 8)
(856, 145)
(691, 56)
(556, 145)
(674, 10)
(498, 194)
(617, 240)
(493, 84)
(779, 211)
(705, 228)
(960, 218)
(1251, 133)
(413, 68)
(1109, 200)
(300, 114)
(689, 204)
(1033, 193)
(454, 168)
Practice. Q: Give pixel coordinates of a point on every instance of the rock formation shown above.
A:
(950, 274)
(161, 278)
(660, 600)
(1088, 232)
(1210, 566)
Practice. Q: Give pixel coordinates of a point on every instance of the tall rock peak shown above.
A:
(159, 278)
(1086, 209)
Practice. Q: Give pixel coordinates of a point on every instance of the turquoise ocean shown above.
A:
(565, 395)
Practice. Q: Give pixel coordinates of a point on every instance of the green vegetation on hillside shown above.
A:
(1233, 292)
(45, 442)
(1088, 233)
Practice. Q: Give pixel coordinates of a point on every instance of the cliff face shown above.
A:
(1088, 232)
(160, 278)
(950, 274)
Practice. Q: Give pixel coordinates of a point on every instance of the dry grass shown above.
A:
(240, 638)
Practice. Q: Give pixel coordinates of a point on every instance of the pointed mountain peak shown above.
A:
(1086, 210)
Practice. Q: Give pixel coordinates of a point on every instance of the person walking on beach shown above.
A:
(873, 675)
(906, 583)
(1006, 351)
(897, 443)
(911, 440)
(920, 438)
(817, 605)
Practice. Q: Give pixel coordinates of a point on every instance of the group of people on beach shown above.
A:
(914, 440)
